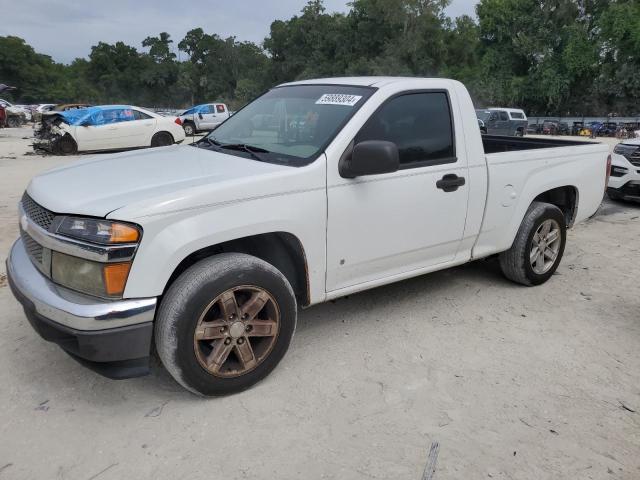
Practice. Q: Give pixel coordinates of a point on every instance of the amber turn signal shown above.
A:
(115, 277)
(121, 233)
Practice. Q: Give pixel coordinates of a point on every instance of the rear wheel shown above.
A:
(538, 247)
(162, 139)
(13, 122)
(225, 323)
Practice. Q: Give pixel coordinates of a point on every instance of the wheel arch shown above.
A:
(163, 132)
(283, 250)
(566, 198)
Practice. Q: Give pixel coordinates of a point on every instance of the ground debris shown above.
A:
(157, 411)
(43, 406)
(102, 471)
(624, 406)
(430, 468)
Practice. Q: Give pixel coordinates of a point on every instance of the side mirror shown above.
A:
(371, 157)
(200, 116)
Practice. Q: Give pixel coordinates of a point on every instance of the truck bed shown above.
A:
(519, 168)
(498, 143)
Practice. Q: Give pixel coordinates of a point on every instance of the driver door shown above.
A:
(388, 224)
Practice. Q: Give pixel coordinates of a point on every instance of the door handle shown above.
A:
(450, 182)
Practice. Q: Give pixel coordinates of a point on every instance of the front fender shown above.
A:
(169, 239)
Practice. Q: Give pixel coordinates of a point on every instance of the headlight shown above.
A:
(100, 279)
(95, 230)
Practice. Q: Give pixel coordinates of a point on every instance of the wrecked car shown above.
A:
(15, 116)
(108, 127)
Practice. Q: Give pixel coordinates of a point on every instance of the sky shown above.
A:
(67, 29)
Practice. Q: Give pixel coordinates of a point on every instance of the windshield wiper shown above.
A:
(210, 141)
(243, 147)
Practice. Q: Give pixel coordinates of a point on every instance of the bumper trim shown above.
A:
(69, 308)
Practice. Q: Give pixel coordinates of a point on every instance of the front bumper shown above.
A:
(112, 338)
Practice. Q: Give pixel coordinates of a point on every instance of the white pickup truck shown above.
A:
(315, 190)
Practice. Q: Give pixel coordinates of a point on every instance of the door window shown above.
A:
(504, 117)
(419, 124)
(138, 115)
(220, 108)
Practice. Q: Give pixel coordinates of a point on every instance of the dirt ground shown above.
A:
(512, 382)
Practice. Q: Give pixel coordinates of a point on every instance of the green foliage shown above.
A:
(547, 56)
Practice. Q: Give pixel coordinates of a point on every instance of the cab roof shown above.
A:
(372, 81)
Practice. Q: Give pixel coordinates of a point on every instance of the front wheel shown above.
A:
(538, 247)
(225, 323)
(189, 129)
(66, 146)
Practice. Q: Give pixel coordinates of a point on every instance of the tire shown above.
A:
(519, 133)
(196, 293)
(162, 139)
(13, 122)
(517, 263)
(66, 146)
(189, 129)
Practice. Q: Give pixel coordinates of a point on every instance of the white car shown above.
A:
(624, 182)
(107, 127)
(315, 190)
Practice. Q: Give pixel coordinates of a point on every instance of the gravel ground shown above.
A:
(512, 382)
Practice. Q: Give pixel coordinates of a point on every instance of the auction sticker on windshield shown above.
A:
(338, 99)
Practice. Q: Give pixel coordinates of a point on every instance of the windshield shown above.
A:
(290, 125)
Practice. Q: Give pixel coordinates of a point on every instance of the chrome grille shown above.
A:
(630, 152)
(34, 249)
(39, 215)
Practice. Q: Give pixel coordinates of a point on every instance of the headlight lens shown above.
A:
(99, 279)
(98, 231)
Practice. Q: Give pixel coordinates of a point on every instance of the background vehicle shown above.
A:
(534, 129)
(504, 121)
(563, 128)
(550, 128)
(576, 128)
(203, 117)
(109, 127)
(624, 182)
(40, 109)
(15, 116)
(209, 249)
(483, 128)
(608, 129)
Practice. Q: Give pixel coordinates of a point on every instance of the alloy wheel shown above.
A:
(545, 246)
(237, 331)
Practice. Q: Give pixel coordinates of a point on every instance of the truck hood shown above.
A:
(104, 183)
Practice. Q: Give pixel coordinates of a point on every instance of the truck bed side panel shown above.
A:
(516, 178)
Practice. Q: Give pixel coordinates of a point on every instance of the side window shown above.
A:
(220, 108)
(208, 109)
(517, 115)
(504, 116)
(419, 124)
(138, 115)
